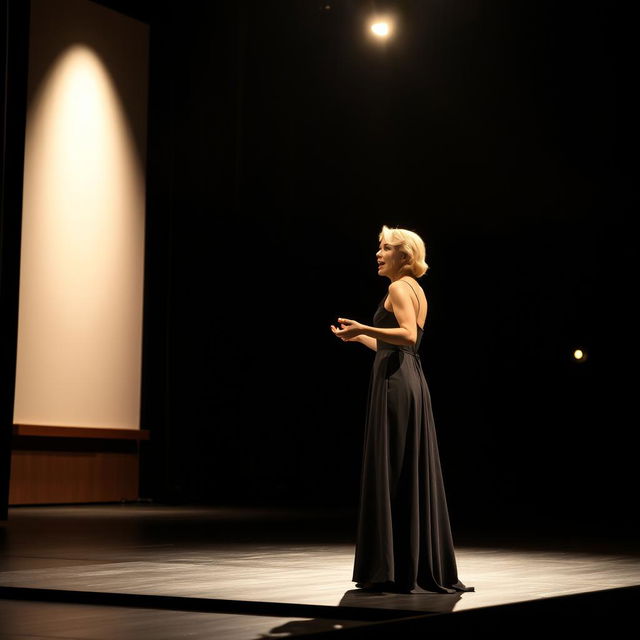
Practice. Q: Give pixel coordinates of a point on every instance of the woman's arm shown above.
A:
(372, 343)
(393, 336)
(407, 332)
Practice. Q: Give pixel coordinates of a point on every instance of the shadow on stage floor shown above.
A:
(145, 570)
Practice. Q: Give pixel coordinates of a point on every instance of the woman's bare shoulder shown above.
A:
(395, 287)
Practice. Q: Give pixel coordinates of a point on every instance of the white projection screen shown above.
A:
(79, 351)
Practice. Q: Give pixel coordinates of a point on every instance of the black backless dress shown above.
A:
(404, 539)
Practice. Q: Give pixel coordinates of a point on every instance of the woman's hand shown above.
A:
(350, 330)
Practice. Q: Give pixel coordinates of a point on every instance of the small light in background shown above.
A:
(579, 355)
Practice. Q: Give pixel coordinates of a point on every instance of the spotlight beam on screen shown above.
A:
(81, 275)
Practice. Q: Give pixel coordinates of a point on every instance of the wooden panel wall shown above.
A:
(52, 465)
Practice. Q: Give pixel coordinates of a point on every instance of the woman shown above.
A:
(404, 538)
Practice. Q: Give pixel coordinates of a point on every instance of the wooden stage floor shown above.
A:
(143, 570)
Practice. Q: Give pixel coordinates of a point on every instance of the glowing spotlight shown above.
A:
(381, 27)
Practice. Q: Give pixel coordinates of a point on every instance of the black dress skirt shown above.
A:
(404, 537)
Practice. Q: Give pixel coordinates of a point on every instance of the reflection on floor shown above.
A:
(252, 570)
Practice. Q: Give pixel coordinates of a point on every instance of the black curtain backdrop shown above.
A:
(281, 139)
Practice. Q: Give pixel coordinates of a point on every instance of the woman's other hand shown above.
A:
(349, 331)
(336, 332)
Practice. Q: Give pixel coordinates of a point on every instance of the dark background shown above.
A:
(281, 139)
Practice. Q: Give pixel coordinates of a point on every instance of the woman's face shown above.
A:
(390, 259)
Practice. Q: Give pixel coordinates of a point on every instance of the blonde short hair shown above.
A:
(409, 243)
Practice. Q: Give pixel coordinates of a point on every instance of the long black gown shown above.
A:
(404, 537)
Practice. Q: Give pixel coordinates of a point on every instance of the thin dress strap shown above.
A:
(414, 293)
